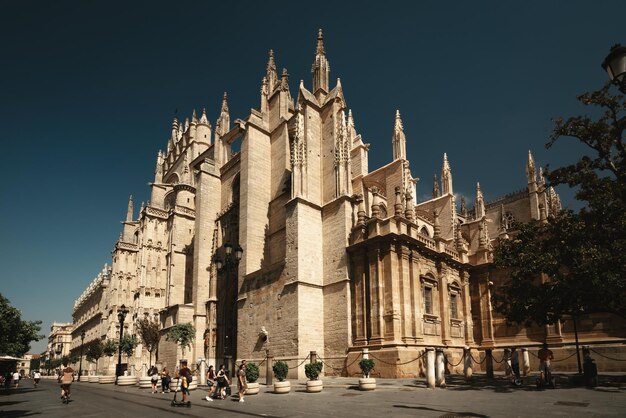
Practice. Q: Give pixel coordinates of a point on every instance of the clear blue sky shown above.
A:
(88, 91)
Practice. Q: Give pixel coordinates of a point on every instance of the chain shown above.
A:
(478, 362)
(533, 354)
(453, 365)
(572, 355)
(397, 364)
(331, 367)
(607, 357)
(307, 357)
(494, 359)
(262, 361)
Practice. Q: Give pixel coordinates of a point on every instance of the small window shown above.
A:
(428, 300)
(453, 306)
(424, 232)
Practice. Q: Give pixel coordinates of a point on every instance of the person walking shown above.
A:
(165, 380)
(210, 381)
(16, 379)
(154, 378)
(222, 381)
(242, 385)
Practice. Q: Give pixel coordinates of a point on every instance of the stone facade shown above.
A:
(334, 257)
(59, 340)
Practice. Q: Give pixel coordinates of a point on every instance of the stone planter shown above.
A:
(367, 383)
(282, 387)
(253, 388)
(127, 380)
(106, 379)
(92, 379)
(145, 382)
(314, 386)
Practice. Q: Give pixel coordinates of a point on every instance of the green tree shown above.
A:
(109, 348)
(15, 334)
(95, 350)
(575, 262)
(128, 343)
(182, 334)
(149, 334)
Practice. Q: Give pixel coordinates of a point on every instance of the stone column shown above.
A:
(467, 363)
(430, 367)
(525, 362)
(269, 373)
(440, 378)
(360, 301)
(416, 291)
(365, 353)
(202, 377)
(489, 362)
(375, 296)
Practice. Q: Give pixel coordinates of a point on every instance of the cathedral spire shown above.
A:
(446, 176)
(194, 117)
(174, 136)
(223, 122)
(351, 129)
(203, 118)
(320, 68)
(129, 211)
(480, 203)
(272, 75)
(435, 187)
(531, 172)
(398, 141)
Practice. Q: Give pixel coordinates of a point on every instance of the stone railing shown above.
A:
(159, 213)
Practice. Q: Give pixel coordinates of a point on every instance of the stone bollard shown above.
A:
(489, 362)
(430, 367)
(313, 356)
(525, 362)
(467, 363)
(440, 377)
(365, 353)
(202, 377)
(269, 373)
(507, 362)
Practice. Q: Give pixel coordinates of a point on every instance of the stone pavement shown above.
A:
(393, 397)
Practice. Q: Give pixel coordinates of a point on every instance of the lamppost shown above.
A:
(121, 316)
(615, 65)
(80, 367)
(230, 263)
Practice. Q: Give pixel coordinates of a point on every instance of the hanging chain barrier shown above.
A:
(494, 358)
(334, 368)
(607, 357)
(478, 362)
(397, 364)
(563, 359)
(533, 354)
(262, 361)
(445, 357)
(301, 363)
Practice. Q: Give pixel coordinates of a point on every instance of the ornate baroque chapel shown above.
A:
(291, 244)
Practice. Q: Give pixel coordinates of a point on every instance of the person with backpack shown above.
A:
(222, 382)
(154, 378)
(185, 379)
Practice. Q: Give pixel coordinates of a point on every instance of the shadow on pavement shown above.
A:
(446, 412)
(17, 413)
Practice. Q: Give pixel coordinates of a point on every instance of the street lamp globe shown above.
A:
(238, 252)
(615, 65)
(218, 262)
(228, 248)
(82, 336)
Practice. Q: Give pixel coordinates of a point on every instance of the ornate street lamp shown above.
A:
(80, 367)
(121, 316)
(615, 65)
(232, 257)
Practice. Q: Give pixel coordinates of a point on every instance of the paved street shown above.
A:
(397, 398)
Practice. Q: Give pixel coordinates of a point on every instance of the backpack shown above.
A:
(188, 376)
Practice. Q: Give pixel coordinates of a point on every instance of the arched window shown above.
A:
(424, 231)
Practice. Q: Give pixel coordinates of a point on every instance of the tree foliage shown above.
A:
(15, 334)
(575, 262)
(109, 348)
(149, 334)
(95, 350)
(182, 334)
(128, 343)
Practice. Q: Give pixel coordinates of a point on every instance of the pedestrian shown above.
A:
(515, 362)
(210, 381)
(222, 382)
(16, 379)
(36, 377)
(184, 378)
(165, 380)
(242, 385)
(154, 378)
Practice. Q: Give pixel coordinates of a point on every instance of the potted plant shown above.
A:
(252, 374)
(281, 369)
(312, 371)
(367, 382)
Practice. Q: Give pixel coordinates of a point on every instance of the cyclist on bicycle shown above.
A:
(65, 379)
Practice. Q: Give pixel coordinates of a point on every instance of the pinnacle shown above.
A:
(225, 103)
(320, 43)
